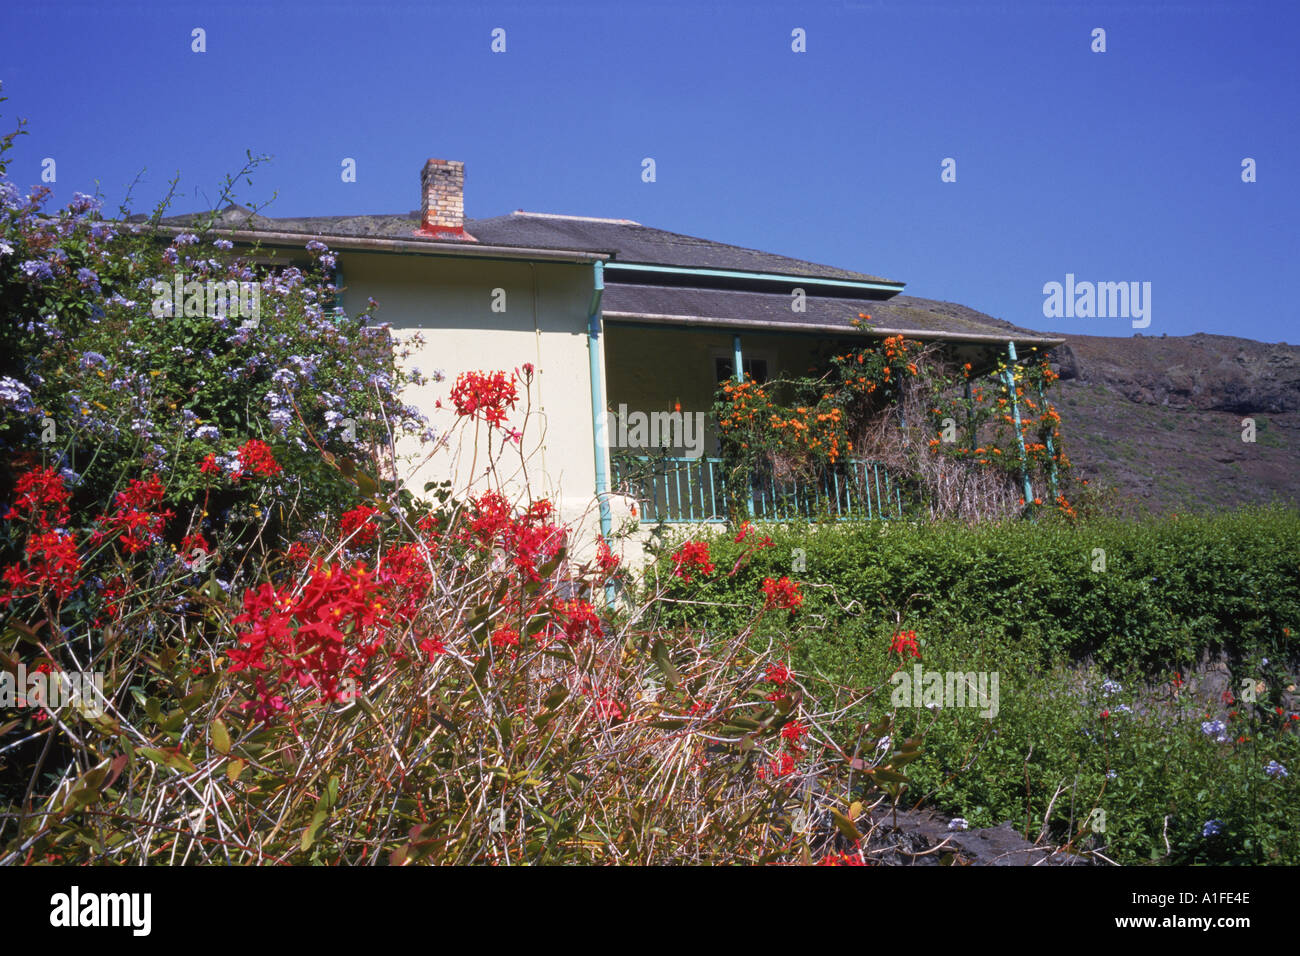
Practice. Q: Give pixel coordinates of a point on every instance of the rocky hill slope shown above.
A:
(1160, 419)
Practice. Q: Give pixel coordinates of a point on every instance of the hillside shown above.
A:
(1160, 419)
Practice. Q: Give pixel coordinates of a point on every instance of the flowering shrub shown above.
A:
(889, 401)
(988, 436)
(253, 425)
(457, 695)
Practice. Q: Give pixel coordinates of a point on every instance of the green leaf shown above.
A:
(220, 737)
(845, 825)
(666, 665)
(166, 758)
(309, 835)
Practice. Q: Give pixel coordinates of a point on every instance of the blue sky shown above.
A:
(1115, 166)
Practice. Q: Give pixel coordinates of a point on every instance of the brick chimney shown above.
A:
(442, 204)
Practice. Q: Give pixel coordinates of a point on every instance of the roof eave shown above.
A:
(784, 280)
(919, 334)
(460, 249)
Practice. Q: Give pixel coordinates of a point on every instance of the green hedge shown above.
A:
(1171, 588)
(1022, 599)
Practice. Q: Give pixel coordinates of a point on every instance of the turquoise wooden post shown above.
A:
(970, 418)
(1051, 449)
(738, 369)
(1015, 411)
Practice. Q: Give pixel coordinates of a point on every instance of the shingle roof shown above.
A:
(627, 241)
(679, 302)
(771, 310)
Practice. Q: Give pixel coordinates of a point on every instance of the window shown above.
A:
(755, 368)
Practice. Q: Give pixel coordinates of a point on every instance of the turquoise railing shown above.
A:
(693, 490)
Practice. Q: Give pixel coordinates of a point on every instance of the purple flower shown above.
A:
(14, 394)
(37, 269)
(81, 203)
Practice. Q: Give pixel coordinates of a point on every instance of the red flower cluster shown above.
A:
(905, 643)
(783, 594)
(842, 859)
(691, 557)
(779, 675)
(782, 765)
(433, 646)
(359, 525)
(530, 539)
(53, 563)
(52, 559)
(404, 573)
(135, 521)
(255, 456)
(579, 619)
(192, 543)
(506, 638)
(606, 560)
(792, 734)
(40, 497)
(319, 638)
(298, 553)
(603, 706)
(484, 395)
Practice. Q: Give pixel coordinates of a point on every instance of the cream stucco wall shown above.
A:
(449, 302)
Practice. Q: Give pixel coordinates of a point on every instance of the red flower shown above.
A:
(783, 594)
(778, 674)
(135, 521)
(841, 859)
(359, 526)
(484, 395)
(691, 557)
(606, 560)
(53, 562)
(905, 643)
(579, 619)
(433, 646)
(781, 766)
(504, 637)
(210, 466)
(320, 638)
(37, 492)
(255, 456)
(298, 553)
